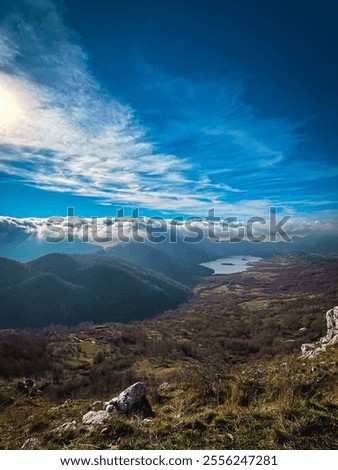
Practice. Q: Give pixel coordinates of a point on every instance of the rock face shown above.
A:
(313, 349)
(95, 417)
(332, 326)
(131, 400)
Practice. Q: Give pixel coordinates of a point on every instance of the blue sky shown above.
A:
(173, 107)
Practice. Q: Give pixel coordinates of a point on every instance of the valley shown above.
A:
(211, 366)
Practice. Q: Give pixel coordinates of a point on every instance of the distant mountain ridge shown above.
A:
(24, 240)
(183, 267)
(124, 282)
(60, 289)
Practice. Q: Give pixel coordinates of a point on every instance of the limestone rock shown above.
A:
(95, 417)
(71, 426)
(332, 326)
(110, 408)
(131, 400)
(310, 350)
(30, 444)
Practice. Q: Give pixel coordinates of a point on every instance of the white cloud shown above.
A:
(106, 232)
(71, 136)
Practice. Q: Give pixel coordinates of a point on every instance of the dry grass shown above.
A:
(282, 403)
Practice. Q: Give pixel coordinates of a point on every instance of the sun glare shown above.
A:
(9, 109)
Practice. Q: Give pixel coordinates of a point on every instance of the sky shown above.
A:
(171, 107)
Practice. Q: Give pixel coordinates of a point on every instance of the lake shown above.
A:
(231, 264)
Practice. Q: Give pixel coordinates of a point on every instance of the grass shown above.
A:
(283, 403)
(89, 349)
(81, 353)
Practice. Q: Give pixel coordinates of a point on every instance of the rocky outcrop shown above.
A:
(332, 326)
(131, 400)
(95, 417)
(71, 426)
(310, 350)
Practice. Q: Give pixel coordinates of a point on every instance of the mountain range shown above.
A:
(24, 240)
(45, 283)
(65, 289)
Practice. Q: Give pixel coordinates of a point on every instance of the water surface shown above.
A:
(231, 264)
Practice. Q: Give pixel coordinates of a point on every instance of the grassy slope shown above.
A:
(228, 357)
(282, 403)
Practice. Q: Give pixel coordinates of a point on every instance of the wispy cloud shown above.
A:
(67, 134)
(213, 119)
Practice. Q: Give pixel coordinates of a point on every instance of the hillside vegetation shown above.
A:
(283, 403)
(63, 289)
(222, 371)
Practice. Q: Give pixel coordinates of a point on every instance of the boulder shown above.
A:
(95, 417)
(131, 400)
(30, 444)
(71, 426)
(310, 350)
